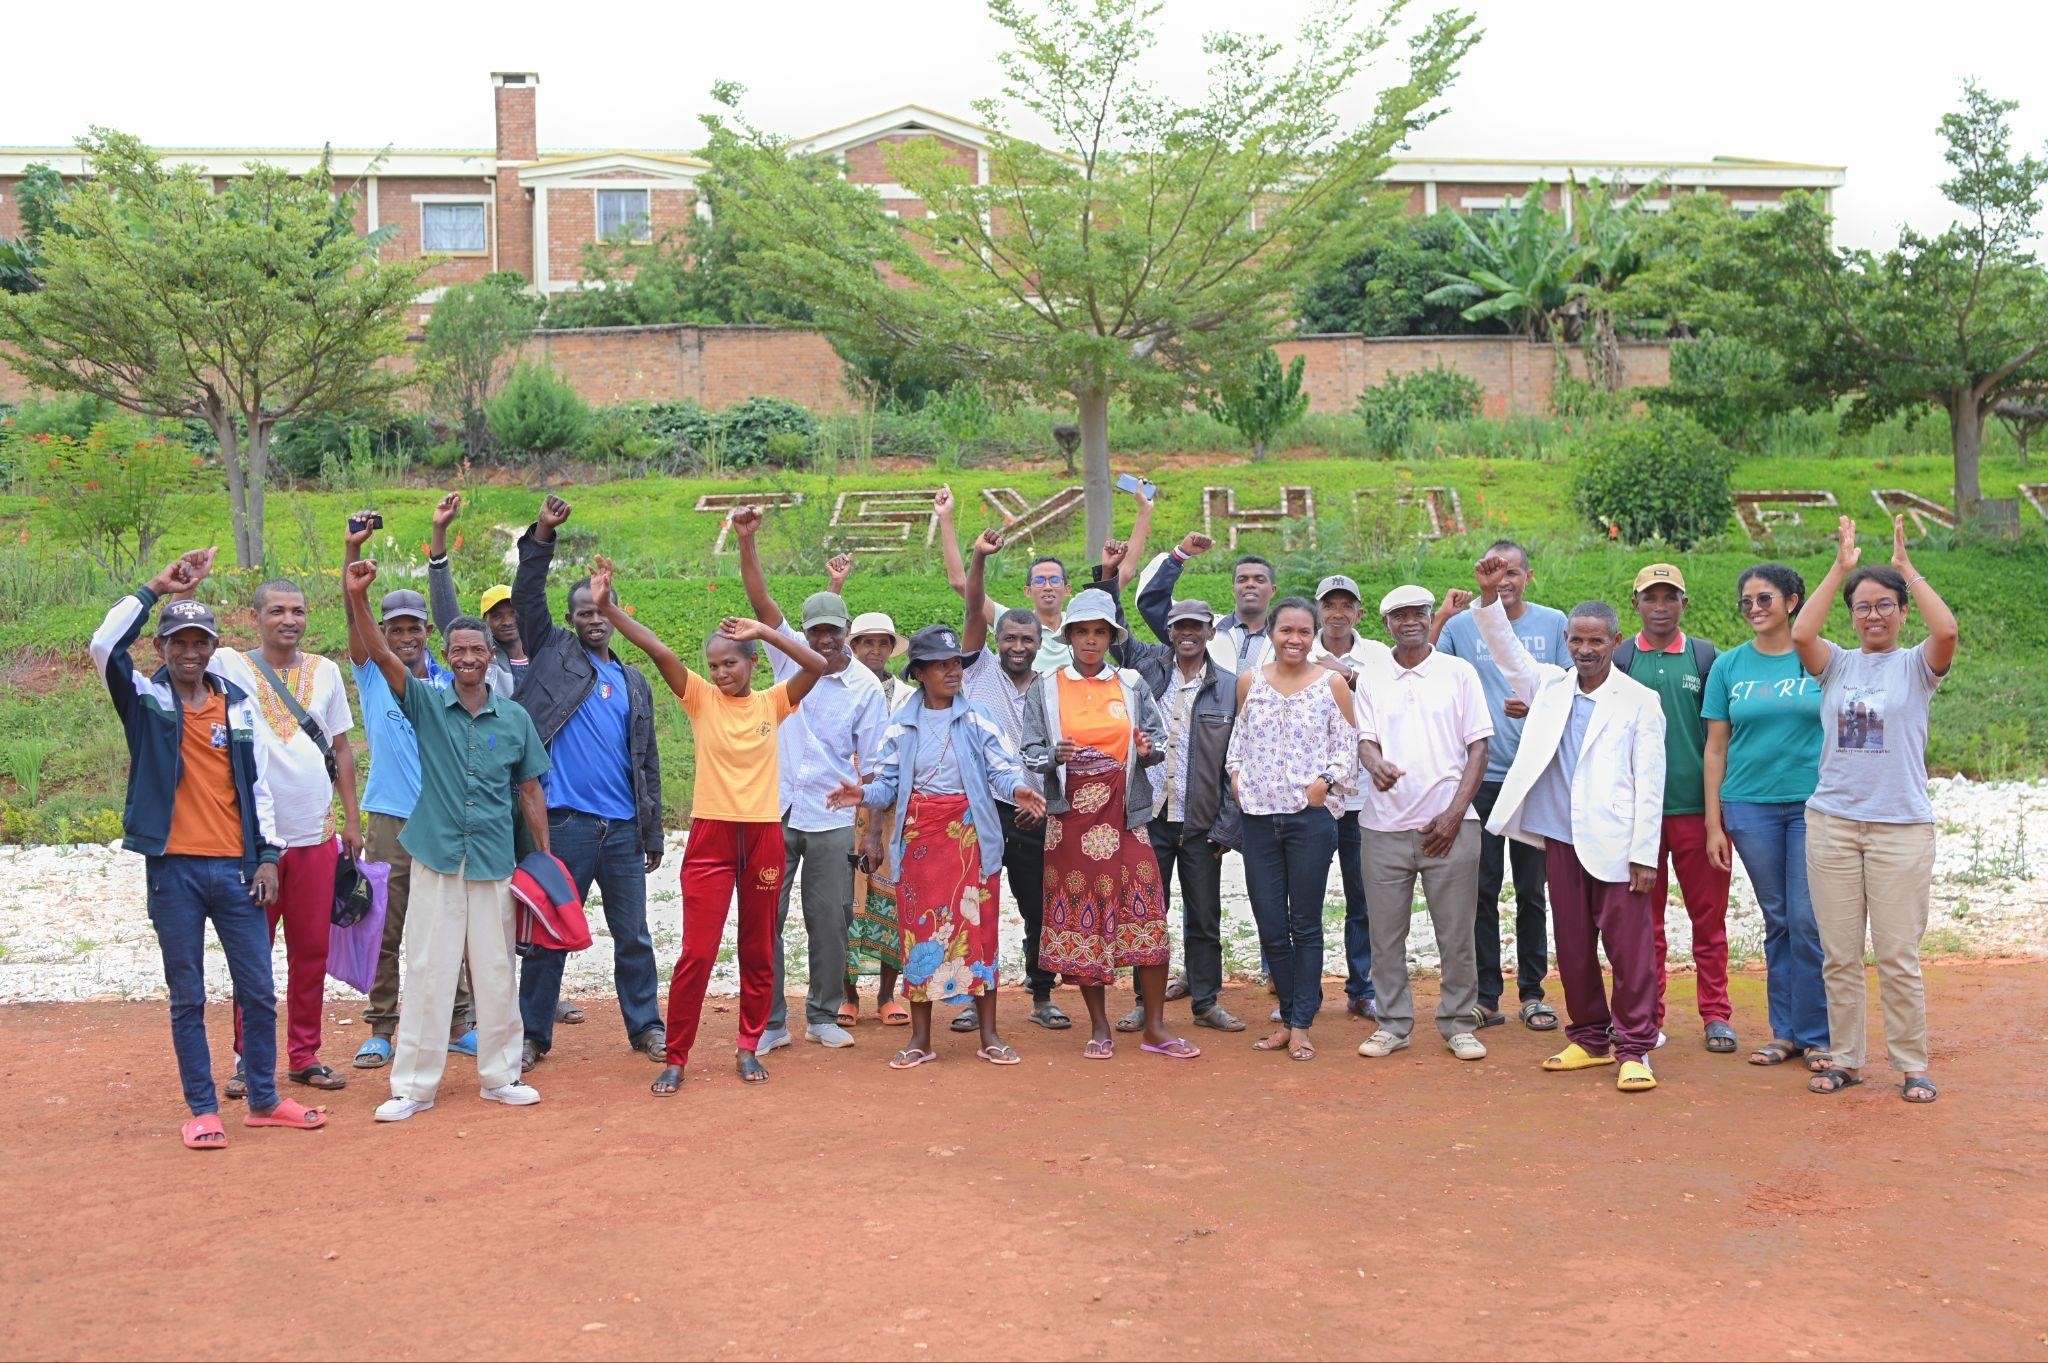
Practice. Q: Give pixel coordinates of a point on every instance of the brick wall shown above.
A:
(868, 163)
(1517, 375)
(515, 108)
(396, 209)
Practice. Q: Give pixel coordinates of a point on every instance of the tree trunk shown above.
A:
(1095, 478)
(224, 431)
(1966, 439)
(259, 471)
(1258, 451)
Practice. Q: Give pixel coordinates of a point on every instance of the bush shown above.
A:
(746, 428)
(1265, 401)
(1391, 410)
(537, 412)
(1664, 477)
(71, 414)
(469, 334)
(113, 493)
(621, 433)
(305, 447)
(688, 427)
(1731, 387)
(444, 455)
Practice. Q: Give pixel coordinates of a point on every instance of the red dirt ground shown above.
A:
(1238, 1206)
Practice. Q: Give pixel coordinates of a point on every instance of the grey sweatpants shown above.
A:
(828, 917)
(1393, 863)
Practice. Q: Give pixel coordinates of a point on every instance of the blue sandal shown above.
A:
(1919, 1083)
(464, 1044)
(375, 1053)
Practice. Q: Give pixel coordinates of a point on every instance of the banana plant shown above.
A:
(1523, 267)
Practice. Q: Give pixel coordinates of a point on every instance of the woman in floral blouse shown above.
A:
(1295, 747)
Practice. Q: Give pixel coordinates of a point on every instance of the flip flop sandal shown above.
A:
(1539, 1016)
(1271, 1043)
(849, 1016)
(999, 1054)
(1049, 1016)
(1919, 1084)
(568, 1013)
(1302, 1052)
(237, 1087)
(1099, 1050)
(969, 1020)
(375, 1053)
(1177, 989)
(668, 1083)
(910, 1057)
(653, 1043)
(464, 1044)
(1133, 1021)
(291, 1113)
(1575, 1057)
(1482, 1018)
(318, 1077)
(1635, 1077)
(1835, 1081)
(895, 1014)
(1720, 1038)
(750, 1068)
(1818, 1060)
(204, 1133)
(1774, 1052)
(1176, 1049)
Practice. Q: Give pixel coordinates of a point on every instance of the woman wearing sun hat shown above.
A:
(1092, 730)
(943, 759)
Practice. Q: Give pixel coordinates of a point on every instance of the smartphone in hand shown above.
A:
(358, 524)
(1137, 486)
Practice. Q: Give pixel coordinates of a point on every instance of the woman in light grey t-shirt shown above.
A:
(1869, 824)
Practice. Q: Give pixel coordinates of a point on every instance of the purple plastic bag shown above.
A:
(352, 951)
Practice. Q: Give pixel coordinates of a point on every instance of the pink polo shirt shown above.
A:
(1423, 717)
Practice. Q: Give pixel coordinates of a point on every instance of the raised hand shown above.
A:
(745, 520)
(354, 538)
(1195, 542)
(1455, 600)
(601, 582)
(451, 503)
(837, 569)
(942, 503)
(359, 576)
(1113, 554)
(1899, 558)
(741, 629)
(1490, 572)
(1847, 552)
(553, 512)
(989, 542)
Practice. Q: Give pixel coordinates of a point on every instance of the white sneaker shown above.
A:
(829, 1034)
(772, 1041)
(1381, 1044)
(398, 1109)
(514, 1094)
(1466, 1046)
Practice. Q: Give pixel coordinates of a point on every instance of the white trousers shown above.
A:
(448, 917)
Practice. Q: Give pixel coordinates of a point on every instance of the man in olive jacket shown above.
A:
(596, 716)
(1197, 816)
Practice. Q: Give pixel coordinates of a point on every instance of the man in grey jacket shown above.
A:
(1197, 819)
(494, 607)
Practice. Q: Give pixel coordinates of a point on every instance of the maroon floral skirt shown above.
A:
(1104, 908)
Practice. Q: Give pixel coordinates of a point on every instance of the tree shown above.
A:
(1152, 245)
(242, 306)
(1383, 290)
(472, 329)
(537, 412)
(35, 196)
(1267, 402)
(1958, 320)
(1519, 267)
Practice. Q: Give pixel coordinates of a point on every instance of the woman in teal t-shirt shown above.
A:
(1764, 737)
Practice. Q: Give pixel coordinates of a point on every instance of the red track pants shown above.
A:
(723, 856)
(1705, 887)
(305, 905)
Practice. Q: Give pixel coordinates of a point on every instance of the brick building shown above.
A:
(512, 207)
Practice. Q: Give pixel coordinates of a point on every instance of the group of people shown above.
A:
(1485, 738)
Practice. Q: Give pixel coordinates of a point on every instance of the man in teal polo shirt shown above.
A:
(474, 748)
(1675, 666)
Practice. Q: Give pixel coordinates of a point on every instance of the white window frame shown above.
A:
(646, 223)
(480, 203)
(1749, 208)
(1482, 208)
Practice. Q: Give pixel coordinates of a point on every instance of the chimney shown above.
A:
(514, 94)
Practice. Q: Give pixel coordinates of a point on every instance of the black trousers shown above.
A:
(1201, 906)
(1532, 938)
(1024, 860)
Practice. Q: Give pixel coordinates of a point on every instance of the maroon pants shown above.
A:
(719, 858)
(1585, 915)
(1705, 887)
(305, 905)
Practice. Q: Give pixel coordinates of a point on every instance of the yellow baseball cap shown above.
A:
(1660, 572)
(494, 596)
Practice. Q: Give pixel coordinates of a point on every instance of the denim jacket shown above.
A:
(1042, 741)
(987, 764)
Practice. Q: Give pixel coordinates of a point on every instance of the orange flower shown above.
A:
(458, 541)
(92, 486)
(1613, 531)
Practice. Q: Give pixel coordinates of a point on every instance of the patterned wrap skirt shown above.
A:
(874, 940)
(1103, 905)
(946, 906)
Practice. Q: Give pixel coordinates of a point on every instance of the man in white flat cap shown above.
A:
(1423, 726)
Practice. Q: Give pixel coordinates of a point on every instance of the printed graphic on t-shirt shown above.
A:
(1859, 727)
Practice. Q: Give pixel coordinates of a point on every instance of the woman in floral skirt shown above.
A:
(943, 758)
(1092, 731)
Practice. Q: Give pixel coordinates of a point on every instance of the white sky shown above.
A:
(1859, 84)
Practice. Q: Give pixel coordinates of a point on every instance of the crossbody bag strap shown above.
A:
(307, 724)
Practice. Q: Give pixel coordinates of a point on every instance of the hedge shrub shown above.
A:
(1662, 478)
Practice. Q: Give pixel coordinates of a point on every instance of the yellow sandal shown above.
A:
(1575, 1057)
(1635, 1077)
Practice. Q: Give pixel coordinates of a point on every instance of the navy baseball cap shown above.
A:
(183, 615)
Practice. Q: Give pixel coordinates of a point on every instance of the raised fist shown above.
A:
(1195, 542)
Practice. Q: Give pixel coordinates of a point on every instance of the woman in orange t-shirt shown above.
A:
(735, 818)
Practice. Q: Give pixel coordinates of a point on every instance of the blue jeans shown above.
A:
(1286, 867)
(1771, 840)
(606, 851)
(1357, 927)
(183, 893)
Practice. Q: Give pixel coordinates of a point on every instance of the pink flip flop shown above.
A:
(909, 1058)
(1177, 1049)
(1099, 1050)
(196, 1133)
(291, 1113)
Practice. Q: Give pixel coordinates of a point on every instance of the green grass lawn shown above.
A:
(1987, 718)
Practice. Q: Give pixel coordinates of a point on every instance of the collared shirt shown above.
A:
(1179, 705)
(984, 682)
(1248, 647)
(1362, 653)
(394, 784)
(471, 767)
(839, 723)
(1053, 651)
(1681, 688)
(1423, 718)
(1547, 811)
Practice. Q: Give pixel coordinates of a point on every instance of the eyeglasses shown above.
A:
(1863, 610)
(1761, 601)
(1048, 581)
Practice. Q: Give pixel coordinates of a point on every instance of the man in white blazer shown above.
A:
(1587, 786)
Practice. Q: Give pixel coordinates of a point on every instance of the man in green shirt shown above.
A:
(476, 749)
(1662, 658)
